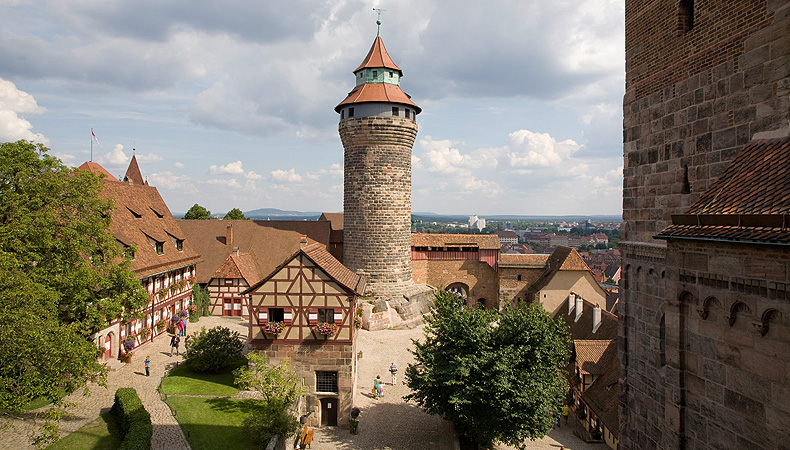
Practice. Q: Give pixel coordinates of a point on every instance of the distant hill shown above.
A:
(279, 214)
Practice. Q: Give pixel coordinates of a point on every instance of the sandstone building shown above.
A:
(705, 309)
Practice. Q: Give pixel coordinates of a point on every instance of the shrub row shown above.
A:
(132, 420)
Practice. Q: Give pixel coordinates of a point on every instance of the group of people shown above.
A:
(377, 383)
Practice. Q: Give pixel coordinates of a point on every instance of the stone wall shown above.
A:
(377, 201)
(306, 360)
(693, 98)
(478, 276)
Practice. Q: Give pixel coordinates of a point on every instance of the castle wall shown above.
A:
(693, 98)
(377, 200)
(478, 276)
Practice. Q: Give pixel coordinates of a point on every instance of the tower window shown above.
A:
(685, 16)
(350, 112)
(342, 114)
(390, 74)
(395, 111)
(375, 73)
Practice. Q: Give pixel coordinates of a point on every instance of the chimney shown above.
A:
(229, 235)
(571, 302)
(236, 250)
(596, 318)
(579, 308)
(303, 241)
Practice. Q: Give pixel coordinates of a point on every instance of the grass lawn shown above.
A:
(41, 401)
(211, 423)
(97, 435)
(181, 380)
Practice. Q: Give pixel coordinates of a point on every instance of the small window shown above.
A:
(390, 74)
(685, 16)
(350, 112)
(395, 111)
(160, 248)
(136, 216)
(519, 278)
(326, 315)
(408, 113)
(342, 114)
(326, 382)
(180, 245)
(375, 73)
(157, 213)
(228, 281)
(276, 315)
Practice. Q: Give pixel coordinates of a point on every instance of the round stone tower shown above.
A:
(378, 126)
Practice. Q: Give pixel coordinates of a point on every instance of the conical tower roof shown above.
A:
(378, 57)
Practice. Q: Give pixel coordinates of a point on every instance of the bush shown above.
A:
(213, 350)
(272, 418)
(132, 420)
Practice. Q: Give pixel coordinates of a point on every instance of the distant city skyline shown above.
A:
(233, 107)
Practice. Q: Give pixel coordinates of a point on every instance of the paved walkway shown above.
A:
(167, 433)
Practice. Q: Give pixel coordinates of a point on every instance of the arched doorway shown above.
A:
(459, 289)
(108, 341)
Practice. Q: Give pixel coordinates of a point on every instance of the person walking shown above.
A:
(184, 327)
(565, 413)
(174, 341)
(394, 372)
(148, 366)
(180, 327)
(377, 386)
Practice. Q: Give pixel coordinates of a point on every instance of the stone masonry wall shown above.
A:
(693, 98)
(481, 278)
(305, 361)
(377, 200)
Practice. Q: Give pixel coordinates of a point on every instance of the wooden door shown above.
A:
(107, 347)
(329, 412)
(227, 306)
(236, 306)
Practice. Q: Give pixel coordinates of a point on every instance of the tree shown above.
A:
(213, 350)
(63, 276)
(495, 375)
(280, 388)
(197, 212)
(235, 214)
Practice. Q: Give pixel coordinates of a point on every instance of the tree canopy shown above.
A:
(62, 275)
(197, 212)
(235, 214)
(496, 375)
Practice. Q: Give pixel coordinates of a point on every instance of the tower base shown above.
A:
(396, 307)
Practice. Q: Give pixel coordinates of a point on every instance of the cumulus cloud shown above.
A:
(253, 176)
(149, 158)
(168, 180)
(115, 157)
(14, 105)
(179, 165)
(529, 149)
(233, 168)
(286, 176)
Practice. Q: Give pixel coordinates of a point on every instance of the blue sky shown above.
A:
(231, 104)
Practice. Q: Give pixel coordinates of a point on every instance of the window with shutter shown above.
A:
(338, 316)
(288, 316)
(312, 316)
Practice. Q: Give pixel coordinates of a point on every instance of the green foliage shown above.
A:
(270, 419)
(213, 350)
(495, 375)
(197, 212)
(132, 420)
(235, 214)
(274, 382)
(62, 276)
(201, 298)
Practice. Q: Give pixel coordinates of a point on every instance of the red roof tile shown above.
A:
(335, 218)
(526, 261)
(378, 57)
(749, 202)
(343, 275)
(378, 93)
(133, 174)
(91, 166)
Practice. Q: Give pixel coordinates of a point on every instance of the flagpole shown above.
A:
(91, 144)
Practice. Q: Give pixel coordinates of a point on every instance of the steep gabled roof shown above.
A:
(601, 397)
(482, 241)
(317, 253)
(91, 166)
(133, 174)
(240, 265)
(378, 57)
(378, 93)
(582, 329)
(562, 258)
(335, 218)
(749, 202)
(590, 355)
(140, 214)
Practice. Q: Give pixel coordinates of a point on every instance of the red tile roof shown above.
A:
(562, 258)
(378, 57)
(589, 355)
(240, 265)
(133, 174)
(377, 93)
(482, 241)
(749, 202)
(269, 246)
(525, 261)
(139, 213)
(91, 166)
(335, 218)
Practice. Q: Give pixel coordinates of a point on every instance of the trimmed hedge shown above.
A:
(132, 420)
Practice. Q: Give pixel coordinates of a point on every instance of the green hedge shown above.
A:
(132, 420)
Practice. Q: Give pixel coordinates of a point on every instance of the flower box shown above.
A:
(325, 329)
(273, 328)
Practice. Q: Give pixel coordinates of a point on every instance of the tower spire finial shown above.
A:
(378, 21)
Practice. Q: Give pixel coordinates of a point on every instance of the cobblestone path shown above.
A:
(167, 433)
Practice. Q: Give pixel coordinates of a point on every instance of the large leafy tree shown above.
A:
(198, 212)
(62, 276)
(496, 375)
(235, 214)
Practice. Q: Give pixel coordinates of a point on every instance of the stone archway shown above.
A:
(459, 289)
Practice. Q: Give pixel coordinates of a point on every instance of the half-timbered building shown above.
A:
(306, 310)
(161, 256)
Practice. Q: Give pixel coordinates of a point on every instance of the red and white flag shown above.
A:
(93, 136)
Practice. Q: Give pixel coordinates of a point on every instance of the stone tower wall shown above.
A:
(693, 99)
(377, 201)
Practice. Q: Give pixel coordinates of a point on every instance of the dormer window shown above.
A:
(160, 248)
(157, 213)
(136, 216)
(180, 245)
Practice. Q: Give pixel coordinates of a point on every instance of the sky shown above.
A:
(231, 104)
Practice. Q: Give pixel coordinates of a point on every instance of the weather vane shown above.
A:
(378, 21)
